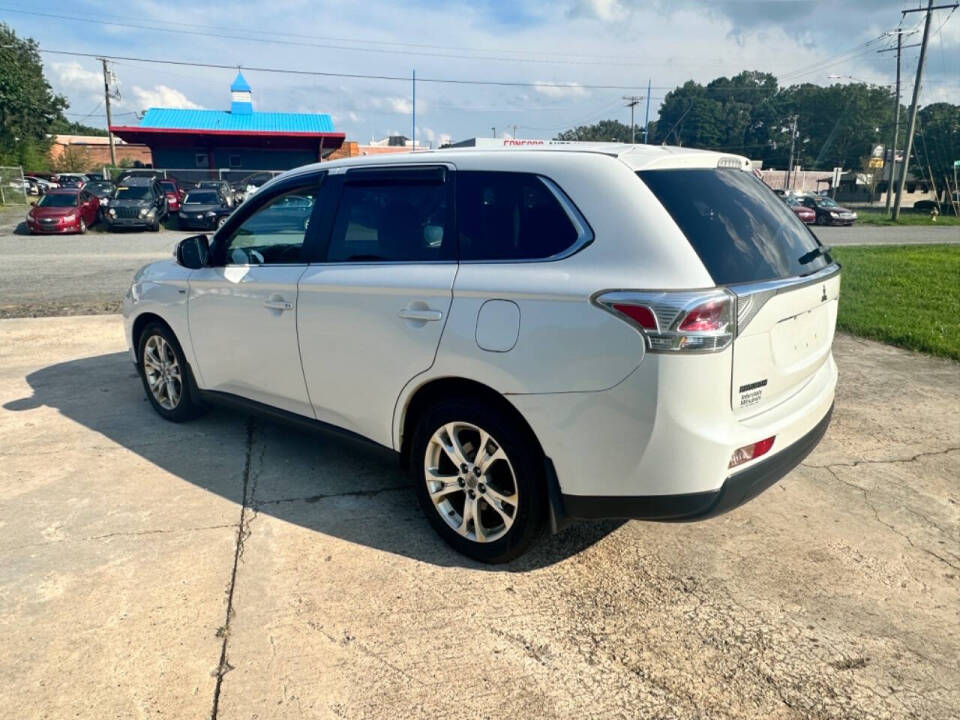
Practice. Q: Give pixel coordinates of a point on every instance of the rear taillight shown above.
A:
(676, 321)
(750, 452)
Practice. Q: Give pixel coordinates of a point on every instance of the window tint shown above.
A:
(510, 216)
(275, 232)
(391, 221)
(739, 228)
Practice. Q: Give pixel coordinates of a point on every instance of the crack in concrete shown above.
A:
(349, 493)
(876, 513)
(857, 463)
(119, 534)
(243, 531)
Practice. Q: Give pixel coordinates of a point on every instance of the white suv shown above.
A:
(542, 335)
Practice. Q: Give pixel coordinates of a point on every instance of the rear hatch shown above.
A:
(786, 283)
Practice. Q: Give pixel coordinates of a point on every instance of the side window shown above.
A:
(510, 216)
(275, 232)
(392, 220)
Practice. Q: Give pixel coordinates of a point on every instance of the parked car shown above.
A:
(927, 207)
(148, 173)
(827, 211)
(63, 211)
(71, 180)
(807, 215)
(103, 189)
(203, 210)
(221, 186)
(175, 194)
(250, 184)
(594, 331)
(139, 202)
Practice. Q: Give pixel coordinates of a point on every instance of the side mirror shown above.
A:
(193, 252)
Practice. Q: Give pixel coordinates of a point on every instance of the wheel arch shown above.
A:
(446, 387)
(141, 322)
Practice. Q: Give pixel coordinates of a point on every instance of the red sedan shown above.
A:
(70, 210)
(807, 215)
(175, 194)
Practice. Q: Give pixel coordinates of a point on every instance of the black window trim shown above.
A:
(585, 234)
(317, 180)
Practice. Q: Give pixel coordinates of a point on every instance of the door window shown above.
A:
(387, 220)
(511, 216)
(275, 233)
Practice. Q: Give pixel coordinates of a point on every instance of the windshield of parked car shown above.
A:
(825, 202)
(101, 188)
(58, 200)
(202, 197)
(740, 229)
(134, 193)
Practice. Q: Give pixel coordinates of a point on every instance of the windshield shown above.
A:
(202, 198)
(740, 229)
(58, 200)
(100, 187)
(826, 202)
(134, 193)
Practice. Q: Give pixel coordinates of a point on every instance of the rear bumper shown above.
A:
(736, 490)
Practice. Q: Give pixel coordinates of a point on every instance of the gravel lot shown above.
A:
(236, 568)
(80, 275)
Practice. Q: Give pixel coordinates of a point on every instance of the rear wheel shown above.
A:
(478, 475)
(166, 375)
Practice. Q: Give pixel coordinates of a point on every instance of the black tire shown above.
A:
(82, 227)
(155, 227)
(189, 405)
(525, 458)
(821, 220)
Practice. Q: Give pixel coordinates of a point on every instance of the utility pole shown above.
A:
(913, 105)
(646, 118)
(413, 137)
(896, 126)
(632, 102)
(514, 131)
(494, 131)
(793, 138)
(106, 100)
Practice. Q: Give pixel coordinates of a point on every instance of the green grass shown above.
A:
(907, 217)
(903, 295)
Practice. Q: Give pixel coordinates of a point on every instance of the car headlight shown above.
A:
(112, 212)
(143, 212)
(210, 213)
(71, 217)
(834, 213)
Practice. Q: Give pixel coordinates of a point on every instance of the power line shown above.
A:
(358, 76)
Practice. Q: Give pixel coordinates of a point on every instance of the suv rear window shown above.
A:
(510, 216)
(740, 229)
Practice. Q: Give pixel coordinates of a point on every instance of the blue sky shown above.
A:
(577, 43)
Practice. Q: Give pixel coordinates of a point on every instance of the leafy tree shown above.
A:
(28, 105)
(938, 142)
(603, 131)
(73, 159)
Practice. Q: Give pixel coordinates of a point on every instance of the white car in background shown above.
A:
(541, 334)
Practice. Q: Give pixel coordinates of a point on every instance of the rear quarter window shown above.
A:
(740, 229)
(511, 216)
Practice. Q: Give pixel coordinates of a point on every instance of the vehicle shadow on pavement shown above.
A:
(345, 488)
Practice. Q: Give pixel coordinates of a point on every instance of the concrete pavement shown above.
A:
(241, 569)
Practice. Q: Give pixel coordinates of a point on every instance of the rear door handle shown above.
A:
(278, 305)
(424, 315)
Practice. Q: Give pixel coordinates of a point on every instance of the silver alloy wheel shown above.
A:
(471, 481)
(162, 371)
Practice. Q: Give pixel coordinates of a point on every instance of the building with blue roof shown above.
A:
(239, 138)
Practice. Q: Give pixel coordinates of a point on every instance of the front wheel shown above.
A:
(82, 229)
(165, 374)
(478, 475)
(821, 219)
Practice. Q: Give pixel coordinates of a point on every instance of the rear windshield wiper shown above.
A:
(814, 254)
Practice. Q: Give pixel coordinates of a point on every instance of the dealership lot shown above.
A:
(239, 565)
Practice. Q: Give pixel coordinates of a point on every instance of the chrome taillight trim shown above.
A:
(751, 297)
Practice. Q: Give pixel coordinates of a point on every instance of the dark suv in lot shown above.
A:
(138, 202)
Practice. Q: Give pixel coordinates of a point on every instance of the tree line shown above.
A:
(837, 125)
(30, 112)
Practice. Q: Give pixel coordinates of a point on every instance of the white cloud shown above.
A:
(559, 90)
(160, 96)
(605, 10)
(74, 78)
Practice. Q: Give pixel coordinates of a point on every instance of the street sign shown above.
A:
(875, 162)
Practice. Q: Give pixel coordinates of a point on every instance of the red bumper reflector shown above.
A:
(751, 452)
